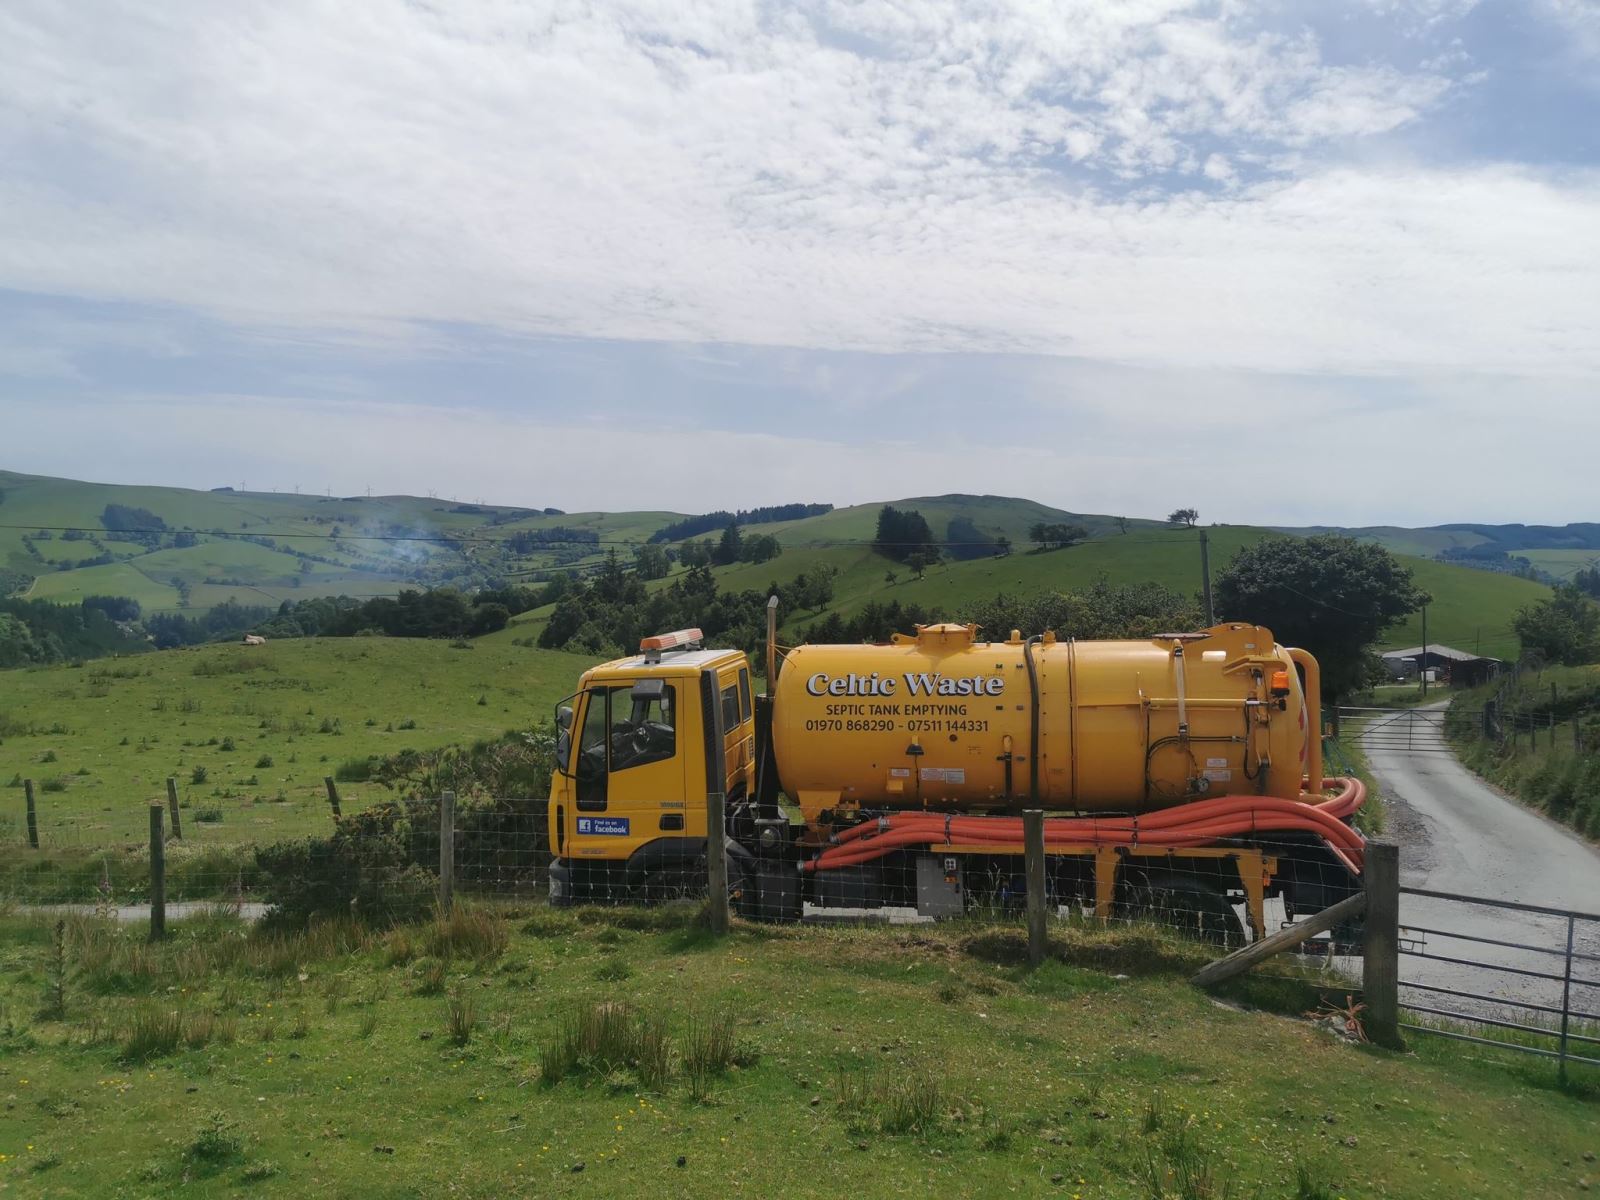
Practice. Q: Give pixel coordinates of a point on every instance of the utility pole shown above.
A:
(1422, 662)
(1205, 578)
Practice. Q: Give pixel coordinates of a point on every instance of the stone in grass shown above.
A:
(576, 1167)
(683, 1160)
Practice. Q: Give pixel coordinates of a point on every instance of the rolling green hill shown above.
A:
(1471, 609)
(312, 546)
(300, 546)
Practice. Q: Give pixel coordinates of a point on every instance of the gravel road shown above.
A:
(1458, 834)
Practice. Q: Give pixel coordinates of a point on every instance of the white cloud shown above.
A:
(1579, 20)
(839, 175)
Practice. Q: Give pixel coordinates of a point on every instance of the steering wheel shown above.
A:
(652, 736)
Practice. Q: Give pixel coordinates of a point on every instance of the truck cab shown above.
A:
(642, 742)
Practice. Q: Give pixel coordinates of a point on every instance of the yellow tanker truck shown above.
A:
(1180, 773)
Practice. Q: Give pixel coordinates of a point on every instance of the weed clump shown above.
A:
(217, 1142)
(461, 1018)
(152, 1033)
(913, 1102)
(466, 932)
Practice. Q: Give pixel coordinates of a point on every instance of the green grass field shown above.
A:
(1561, 563)
(110, 732)
(808, 1062)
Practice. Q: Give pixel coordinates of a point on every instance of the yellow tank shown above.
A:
(944, 721)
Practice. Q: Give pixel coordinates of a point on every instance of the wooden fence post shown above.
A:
(172, 804)
(1033, 865)
(1381, 949)
(1488, 720)
(333, 796)
(447, 851)
(33, 815)
(158, 876)
(717, 860)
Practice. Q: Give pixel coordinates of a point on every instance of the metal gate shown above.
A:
(1413, 730)
(1527, 980)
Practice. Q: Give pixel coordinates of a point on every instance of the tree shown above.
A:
(1122, 524)
(901, 534)
(891, 578)
(1563, 629)
(759, 549)
(1002, 546)
(650, 561)
(1056, 536)
(921, 559)
(487, 618)
(728, 548)
(1183, 516)
(1332, 595)
(965, 541)
(811, 589)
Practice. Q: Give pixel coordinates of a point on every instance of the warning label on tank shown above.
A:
(1218, 775)
(944, 775)
(899, 772)
(1216, 762)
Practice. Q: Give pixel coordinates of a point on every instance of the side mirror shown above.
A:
(564, 716)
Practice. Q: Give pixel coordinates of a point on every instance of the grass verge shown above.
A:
(800, 1062)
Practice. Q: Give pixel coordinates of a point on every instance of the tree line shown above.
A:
(37, 632)
(707, 522)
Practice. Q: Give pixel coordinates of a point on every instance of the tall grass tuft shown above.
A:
(153, 1032)
(913, 1102)
(1182, 1167)
(461, 1018)
(600, 1038)
(1310, 1184)
(466, 932)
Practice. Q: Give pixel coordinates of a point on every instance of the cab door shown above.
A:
(629, 764)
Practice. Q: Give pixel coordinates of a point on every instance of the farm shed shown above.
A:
(1458, 667)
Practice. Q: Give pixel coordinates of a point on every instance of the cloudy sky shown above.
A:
(1288, 261)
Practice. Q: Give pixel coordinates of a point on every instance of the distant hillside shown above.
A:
(1550, 552)
(260, 548)
(1471, 609)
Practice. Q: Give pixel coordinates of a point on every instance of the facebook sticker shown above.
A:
(604, 826)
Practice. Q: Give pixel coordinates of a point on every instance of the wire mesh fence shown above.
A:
(386, 859)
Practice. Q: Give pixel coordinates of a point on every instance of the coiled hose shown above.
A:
(1196, 824)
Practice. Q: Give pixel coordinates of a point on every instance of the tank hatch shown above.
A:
(942, 638)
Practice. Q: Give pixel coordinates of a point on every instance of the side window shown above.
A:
(590, 768)
(744, 692)
(592, 739)
(644, 724)
(730, 708)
